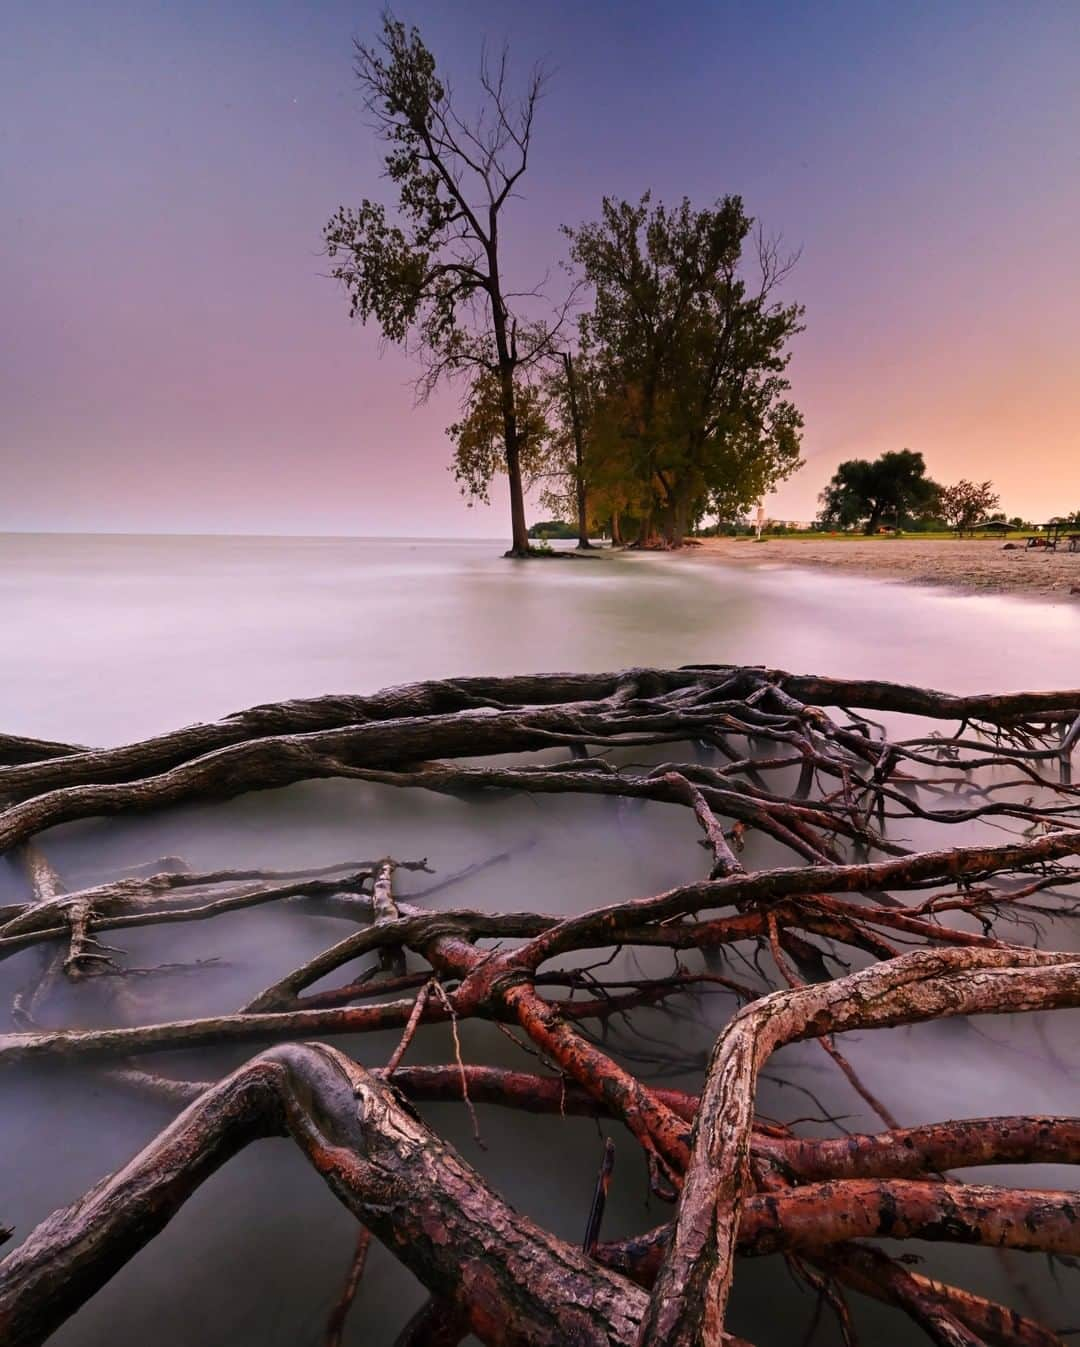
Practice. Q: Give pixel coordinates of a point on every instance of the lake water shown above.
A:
(108, 639)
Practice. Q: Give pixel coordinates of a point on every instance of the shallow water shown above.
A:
(108, 639)
(112, 638)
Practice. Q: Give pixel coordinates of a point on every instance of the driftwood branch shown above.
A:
(853, 930)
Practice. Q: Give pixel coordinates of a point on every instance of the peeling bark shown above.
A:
(853, 895)
(690, 1296)
(511, 1280)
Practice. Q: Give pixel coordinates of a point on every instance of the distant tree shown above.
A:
(552, 528)
(433, 281)
(968, 503)
(893, 488)
(689, 344)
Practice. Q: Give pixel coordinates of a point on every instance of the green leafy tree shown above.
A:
(574, 400)
(552, 528)
(892, 489)
(569, 397)
(479, 437)
(431, 278)
(590, 473)
(690, 347)
(966, 504)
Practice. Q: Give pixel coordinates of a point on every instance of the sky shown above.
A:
(174, 358)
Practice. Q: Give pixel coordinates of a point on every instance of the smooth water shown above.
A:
(108, 639)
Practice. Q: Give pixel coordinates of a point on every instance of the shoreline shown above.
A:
(967, 566)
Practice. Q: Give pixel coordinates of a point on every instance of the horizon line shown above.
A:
(240, 533)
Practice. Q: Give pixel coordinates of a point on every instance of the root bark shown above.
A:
(854, 932)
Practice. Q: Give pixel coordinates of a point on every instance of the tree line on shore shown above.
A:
(894, 491)
(649, 397)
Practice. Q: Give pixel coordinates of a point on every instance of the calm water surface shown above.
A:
(112, 638)
(108, 639)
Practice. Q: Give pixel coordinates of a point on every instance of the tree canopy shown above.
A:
(431, 278)
(688, 346)
(894, 488)
(968, 503)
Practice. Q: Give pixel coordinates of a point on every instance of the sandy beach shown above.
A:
(981, 565)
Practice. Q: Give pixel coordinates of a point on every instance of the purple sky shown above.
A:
(173, 358)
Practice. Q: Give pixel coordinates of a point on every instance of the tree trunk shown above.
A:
(680, 521)
(505, 346)
(519, 534)
(667, 526)
(675, 513)
(579, 453)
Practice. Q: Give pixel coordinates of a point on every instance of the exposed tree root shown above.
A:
(857, 931)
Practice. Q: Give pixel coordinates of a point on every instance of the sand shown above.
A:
(982, 564)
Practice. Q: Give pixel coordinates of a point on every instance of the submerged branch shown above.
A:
(866, 933)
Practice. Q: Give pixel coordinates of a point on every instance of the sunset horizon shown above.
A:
(178, 359)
